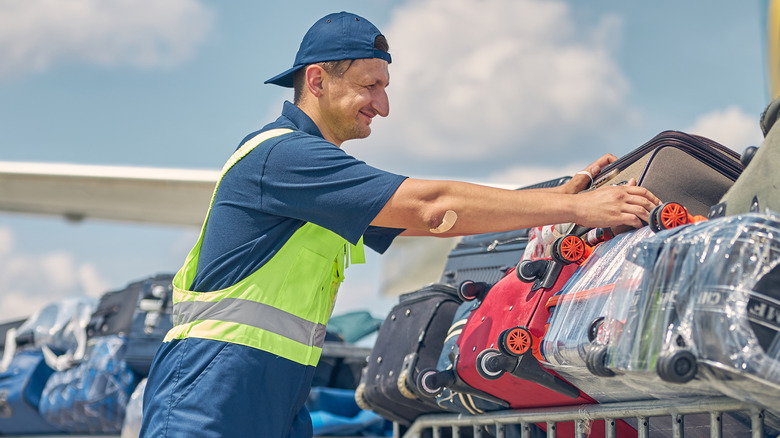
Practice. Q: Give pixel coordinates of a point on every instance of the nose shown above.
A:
(382, 103)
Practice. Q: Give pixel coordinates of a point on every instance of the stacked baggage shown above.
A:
(521, 338)
(71, 366)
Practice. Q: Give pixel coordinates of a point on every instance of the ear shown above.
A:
(315, 76)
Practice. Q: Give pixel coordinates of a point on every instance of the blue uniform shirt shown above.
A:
(276, 188)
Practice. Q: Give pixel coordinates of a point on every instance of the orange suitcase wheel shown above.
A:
(568, 249)
(515, 341)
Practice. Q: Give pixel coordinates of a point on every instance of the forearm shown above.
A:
(420, 205)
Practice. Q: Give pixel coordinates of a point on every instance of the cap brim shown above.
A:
(284, 79)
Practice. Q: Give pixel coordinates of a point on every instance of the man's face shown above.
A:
(351, 101)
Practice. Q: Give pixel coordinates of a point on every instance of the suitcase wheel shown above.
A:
(529, 271)
(596, 361)
(677, 367)
(487, 366)
(471, 290)
(360, 399)
(430, 381)
(668, 215)
(568, 249)
(515, 341)
(747, 155)
(593, 330)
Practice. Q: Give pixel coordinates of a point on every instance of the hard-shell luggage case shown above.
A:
(151, 321)
(576, 314)
(689, 169)
(578, 310)
(757, 188)
(705, 311)
(410, 339)
(21, 386)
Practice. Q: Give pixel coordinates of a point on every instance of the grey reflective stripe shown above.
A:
(254, 314)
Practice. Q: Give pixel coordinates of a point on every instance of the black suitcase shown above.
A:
(151, 321)
(688, 169)
(410, 339)
(115, 310)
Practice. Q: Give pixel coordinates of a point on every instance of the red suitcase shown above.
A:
(498, 349)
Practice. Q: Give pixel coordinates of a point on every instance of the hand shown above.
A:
(612, 206)
(581, 180)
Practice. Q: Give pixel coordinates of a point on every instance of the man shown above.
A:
(289, 213)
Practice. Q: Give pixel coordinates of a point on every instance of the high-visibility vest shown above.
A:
(284, 306)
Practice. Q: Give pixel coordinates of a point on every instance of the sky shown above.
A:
(509, 91)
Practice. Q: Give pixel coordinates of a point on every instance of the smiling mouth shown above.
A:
(369, 117)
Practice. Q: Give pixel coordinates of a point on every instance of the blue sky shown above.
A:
(516, 91)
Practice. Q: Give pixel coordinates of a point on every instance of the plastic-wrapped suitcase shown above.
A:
(91, 397)
(21, 386)
(675, 166)
(705, 311)
(409, 340)
(577, 312)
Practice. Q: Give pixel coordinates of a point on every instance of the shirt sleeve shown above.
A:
(313, 180)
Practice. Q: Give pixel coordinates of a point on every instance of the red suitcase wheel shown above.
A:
(515, 341)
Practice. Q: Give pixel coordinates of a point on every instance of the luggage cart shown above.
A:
(641, 413)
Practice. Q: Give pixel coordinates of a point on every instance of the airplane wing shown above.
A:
(131, 194)
(176, 197)
(76, 192)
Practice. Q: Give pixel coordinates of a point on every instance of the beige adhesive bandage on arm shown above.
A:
(450, 217)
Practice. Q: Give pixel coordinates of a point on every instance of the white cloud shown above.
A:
(731, 127)
(30, 281)
(473, 82)
(35, 34)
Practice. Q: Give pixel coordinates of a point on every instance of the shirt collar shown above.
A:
(300, 119)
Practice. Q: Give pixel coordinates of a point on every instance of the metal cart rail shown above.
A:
(642, 412)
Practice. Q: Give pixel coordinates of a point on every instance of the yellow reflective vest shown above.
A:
(284, 306)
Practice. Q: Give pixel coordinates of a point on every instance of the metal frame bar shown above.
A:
(642, 411)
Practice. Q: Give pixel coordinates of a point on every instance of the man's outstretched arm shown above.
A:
(421, 207)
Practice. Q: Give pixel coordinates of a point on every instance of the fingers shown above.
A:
(602, 161)
(643, 193)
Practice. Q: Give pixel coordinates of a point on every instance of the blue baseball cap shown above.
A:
(334, 37)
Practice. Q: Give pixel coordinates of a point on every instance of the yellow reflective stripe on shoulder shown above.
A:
(248, 336)
(251, 144)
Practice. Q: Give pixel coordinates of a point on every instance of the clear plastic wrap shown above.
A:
(706, 311)
(91, 397)
(581, 304)
(604, 280)
(55, 324)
